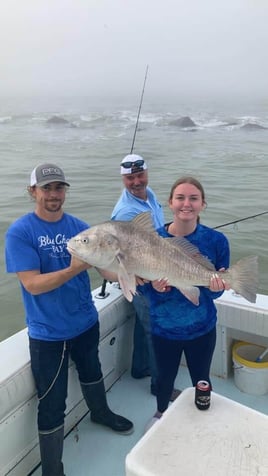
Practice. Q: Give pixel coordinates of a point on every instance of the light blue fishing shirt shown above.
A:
(173, 316)
(128, 206)
(36, 244)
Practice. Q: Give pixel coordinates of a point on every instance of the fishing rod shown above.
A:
(138, 116)
(103, 294)
(240, 219)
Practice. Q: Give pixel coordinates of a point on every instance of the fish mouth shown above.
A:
(71, 250)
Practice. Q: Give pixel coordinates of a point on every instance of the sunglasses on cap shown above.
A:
(130, 165)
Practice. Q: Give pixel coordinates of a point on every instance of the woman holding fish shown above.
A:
(179, 325)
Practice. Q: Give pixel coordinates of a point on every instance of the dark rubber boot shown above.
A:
(51, 448)
(94, 394)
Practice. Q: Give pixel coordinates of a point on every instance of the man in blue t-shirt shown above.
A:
(60, 314)
(138, 197)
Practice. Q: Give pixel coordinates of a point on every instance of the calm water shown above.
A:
(230, 161)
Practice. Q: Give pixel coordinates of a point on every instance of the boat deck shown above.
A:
(92, 450)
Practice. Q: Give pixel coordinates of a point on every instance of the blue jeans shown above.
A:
(49, 363)
(143, 358)
(198, 353)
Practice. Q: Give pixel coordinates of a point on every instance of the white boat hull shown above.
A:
(19, 449)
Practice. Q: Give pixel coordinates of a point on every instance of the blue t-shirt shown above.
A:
(173, 316)
(36, 244)
(128, 206)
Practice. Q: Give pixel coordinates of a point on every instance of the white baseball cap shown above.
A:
(132, 164)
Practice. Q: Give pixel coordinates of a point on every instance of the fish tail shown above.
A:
(244, 277)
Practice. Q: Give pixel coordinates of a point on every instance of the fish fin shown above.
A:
(144, 220)
(192, 293)
(127, 281)
(244, 277)
(191, 251)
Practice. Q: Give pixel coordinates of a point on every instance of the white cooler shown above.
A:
(228, 439)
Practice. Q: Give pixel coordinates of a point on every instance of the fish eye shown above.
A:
(85, 240)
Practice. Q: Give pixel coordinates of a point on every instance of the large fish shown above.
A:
(134, 248)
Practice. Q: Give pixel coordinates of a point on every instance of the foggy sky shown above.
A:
(97, 46)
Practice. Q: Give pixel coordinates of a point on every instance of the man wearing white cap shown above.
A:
(136, 198)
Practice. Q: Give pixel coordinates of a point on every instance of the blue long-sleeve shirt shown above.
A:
(173, 316)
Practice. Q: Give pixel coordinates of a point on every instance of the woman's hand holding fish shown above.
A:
(161, 285)
(217, 283)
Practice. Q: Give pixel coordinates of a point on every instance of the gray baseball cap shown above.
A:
(47, 173)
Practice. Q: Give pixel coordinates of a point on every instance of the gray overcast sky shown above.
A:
(103, 46)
